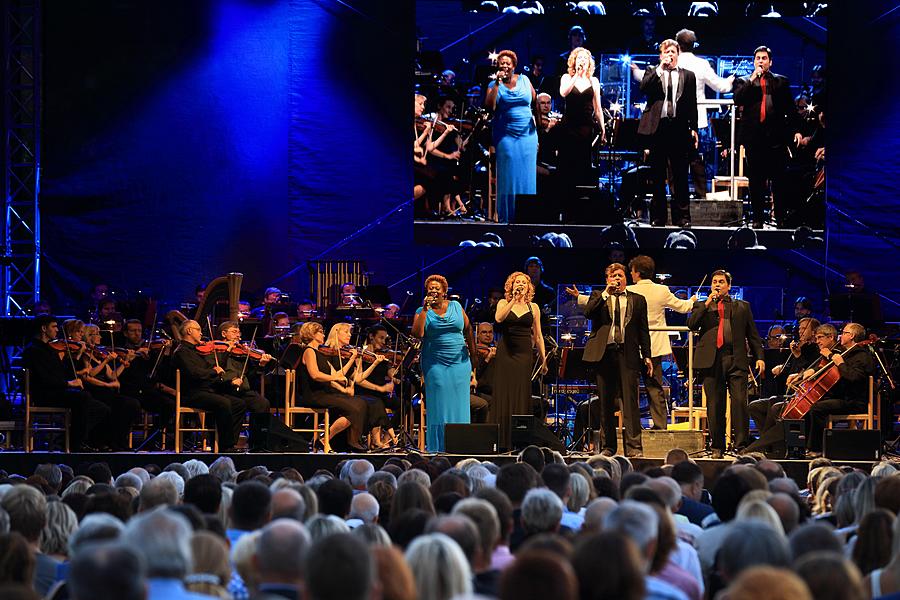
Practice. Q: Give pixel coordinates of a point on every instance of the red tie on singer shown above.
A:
(762, 105)
(720, 334)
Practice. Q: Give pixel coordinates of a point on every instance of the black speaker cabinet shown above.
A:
(269, 434)
(463, 438)
(528, 430)
(852, 444)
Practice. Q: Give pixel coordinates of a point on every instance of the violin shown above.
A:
(207, 348)
(246, 350)
(484, 350)
(438, 125)
(347, 351)
(63, 346)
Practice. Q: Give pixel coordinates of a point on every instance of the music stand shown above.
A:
(574, 367)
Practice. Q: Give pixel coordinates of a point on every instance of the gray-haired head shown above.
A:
(129, 479)
(61, 524)
(751, 543)
(322, 526)
(542, 510)
(382, 476)
(164, 539)
(358, 473)
(141, 472)
(108, 570)
(176, 479)
(94, 528)
(439, 567)
(364, 507)
(223, 468)
(415, 475)
(282, 550)
(638, 521)
(196, 467)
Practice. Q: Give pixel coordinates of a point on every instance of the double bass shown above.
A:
(813, 388)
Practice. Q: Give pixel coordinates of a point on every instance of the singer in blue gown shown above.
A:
(446, 367)
(514, 135)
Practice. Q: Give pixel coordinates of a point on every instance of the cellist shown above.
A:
(851, 392)
(766, 412)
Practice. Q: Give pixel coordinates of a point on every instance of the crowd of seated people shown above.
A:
(420, 528)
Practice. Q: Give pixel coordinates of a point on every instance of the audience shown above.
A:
(423, 528)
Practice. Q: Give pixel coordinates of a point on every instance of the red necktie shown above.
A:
(720, 334)
(762, 105)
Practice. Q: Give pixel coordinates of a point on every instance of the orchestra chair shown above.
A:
(142, 428)
(35, 423)
(181, 411)
(871, 418)
(321, 420)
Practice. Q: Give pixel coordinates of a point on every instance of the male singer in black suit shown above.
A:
(670, 119)
(768, 121)
(726, 329)
(619, 346)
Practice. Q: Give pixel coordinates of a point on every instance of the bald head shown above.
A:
(281, 552)
(365, 508)
(596, 511)
(288, 504)
(787, 509)
(668, 489)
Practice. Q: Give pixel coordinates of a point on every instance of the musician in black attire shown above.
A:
(378, 382)
(726, 329)
(200, 378)
(851, 393)
(52, 383)
(236, 379)
(485, 350)
(136, 381)
(766, 412)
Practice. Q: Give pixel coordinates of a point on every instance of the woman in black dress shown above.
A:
(519, 322)
(581, 91)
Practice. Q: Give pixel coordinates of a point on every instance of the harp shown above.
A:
(221, 290)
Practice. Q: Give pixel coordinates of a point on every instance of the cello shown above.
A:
(813, 388)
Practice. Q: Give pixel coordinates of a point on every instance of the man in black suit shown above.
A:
(768, 121)
(670, 119)
(726, 331)
(618, 346)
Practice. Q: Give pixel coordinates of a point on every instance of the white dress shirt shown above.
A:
(659, 298)
(623, 305)
(676, 80)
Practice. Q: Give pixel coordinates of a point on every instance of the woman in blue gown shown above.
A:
(511, 96)
(447, 344)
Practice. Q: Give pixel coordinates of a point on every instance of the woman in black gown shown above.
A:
(581, 91)
(519, 322)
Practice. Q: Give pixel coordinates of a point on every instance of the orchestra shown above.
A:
(370, 370)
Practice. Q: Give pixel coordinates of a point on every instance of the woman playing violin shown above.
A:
(327, 385)
(378, 380)
(444, 156)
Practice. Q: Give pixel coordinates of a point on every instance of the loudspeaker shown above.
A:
(527, 430)
(269, 434)
(462, 438)
(852, 444)
(794, 437)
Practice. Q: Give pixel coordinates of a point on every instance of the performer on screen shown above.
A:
(670, 120)
(581, 91)
(519, 320)
(768, 124)
(619, 344)
(727, 330)
(511, 97)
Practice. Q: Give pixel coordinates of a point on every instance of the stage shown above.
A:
(24, 463)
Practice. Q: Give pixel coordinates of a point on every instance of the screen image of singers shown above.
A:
(662, 126)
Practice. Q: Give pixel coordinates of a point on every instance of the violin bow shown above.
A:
(69, 352)
(212, 339)
(247, 358)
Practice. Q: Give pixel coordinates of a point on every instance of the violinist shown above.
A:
(485, 351)
(851, 392)
(101, 378)
(424, 176)
(766, 412)
(547, 137)
(201, 377)
(444, 157)
(378, 381)
(240, 362)
(139, 380)
(326, 385)
(54, 383)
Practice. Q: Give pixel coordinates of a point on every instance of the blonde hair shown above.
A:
(308, 331)
(210, 562)
(759, 510)
(508, 286)
(91, 329)
(573, 56)
(332, 341)
(70, 326)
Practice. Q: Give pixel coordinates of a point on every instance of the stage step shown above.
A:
(657, 443)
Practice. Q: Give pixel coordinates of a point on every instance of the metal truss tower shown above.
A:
(21, 155)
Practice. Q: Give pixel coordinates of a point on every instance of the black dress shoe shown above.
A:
(716, 453)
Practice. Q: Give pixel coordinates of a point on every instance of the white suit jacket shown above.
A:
(659, 298)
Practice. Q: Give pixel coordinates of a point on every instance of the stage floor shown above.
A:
(451, 233)
(24, 463)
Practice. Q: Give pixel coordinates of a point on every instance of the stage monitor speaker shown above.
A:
(795, 437)
(269, 434)
(481, 438)
(852, 444)
(528, 430)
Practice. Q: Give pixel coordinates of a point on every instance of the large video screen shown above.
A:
(657, 125)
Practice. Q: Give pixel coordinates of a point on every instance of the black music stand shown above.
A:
(574, 367)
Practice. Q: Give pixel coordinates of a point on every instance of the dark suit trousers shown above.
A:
(724, 377)
(669, 147)
(478, 407)
(615, 380)
(228, 412)
(766, 164)
(765, 413)
(658, 402)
